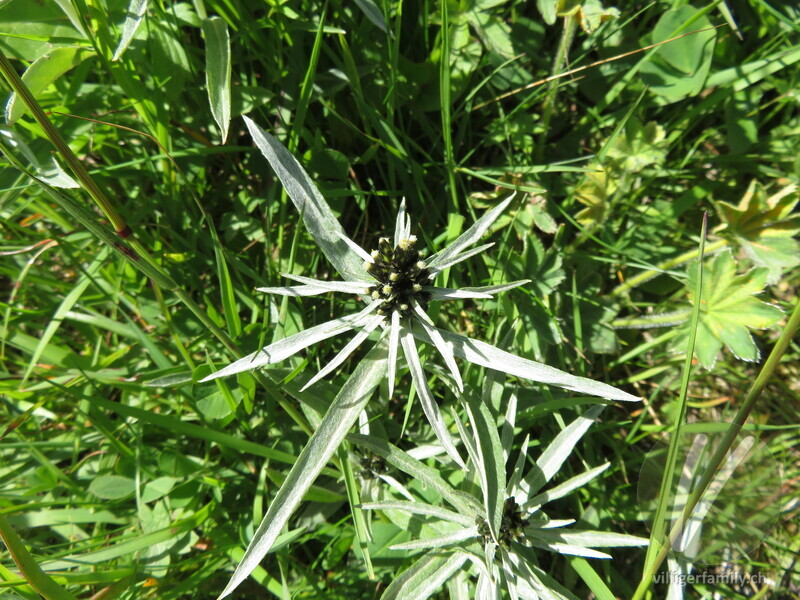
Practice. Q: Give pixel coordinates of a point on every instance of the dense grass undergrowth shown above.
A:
(138, 219)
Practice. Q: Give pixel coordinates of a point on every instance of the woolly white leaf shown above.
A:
(438, 293)
(341, 416)
(429, 406)
(283, 349)
(486, 355)
(348, 287)
(420, 508)
(455, 259)
(471, 235)
(563, 489)
(439, 541)
(317, 215)
(294, 290)
(394, 343)
(424, 577)
(136, 11)
(442, 346)
(402, 227)
(558, 451)
(368, 328)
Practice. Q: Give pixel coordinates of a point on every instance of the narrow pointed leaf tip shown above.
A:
(333, 428)
(486, 355)
(317, 215)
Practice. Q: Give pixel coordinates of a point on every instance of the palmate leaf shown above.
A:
(729, 309)
(764, 227)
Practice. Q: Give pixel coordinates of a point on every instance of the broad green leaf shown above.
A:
(44, 71)
(218, 72)
(679, 68)
(158, 488)
(133, 18)
(112, 487)
(638, 146)
(765, 227)
(728, 309)
(336, 423)
(548, 9)
(317, 215)
(595, 193)
(424, 577)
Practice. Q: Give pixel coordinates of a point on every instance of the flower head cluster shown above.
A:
(499, 533)
(395, 282)
(401, 275)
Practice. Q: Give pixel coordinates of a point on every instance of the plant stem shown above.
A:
(75, 165)
(721, 453)
(567, 35)
(650, 321)
(665, 266)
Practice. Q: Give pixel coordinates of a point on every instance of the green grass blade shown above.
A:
(658, 534)
(61, 312)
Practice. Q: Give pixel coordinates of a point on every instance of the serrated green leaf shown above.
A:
(765, 227)
(728, 309)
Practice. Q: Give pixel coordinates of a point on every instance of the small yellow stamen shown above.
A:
(387, 289)
(393, 276)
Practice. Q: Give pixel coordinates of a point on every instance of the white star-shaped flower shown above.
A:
(396, 283)
(500, 533)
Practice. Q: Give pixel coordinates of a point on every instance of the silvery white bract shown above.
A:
(500, 534)
(395, 283)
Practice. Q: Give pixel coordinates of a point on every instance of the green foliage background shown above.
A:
(117, 470)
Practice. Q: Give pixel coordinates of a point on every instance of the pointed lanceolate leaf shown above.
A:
(487, 443)
(218, 72)
(336, 423)
(429, 406)
(424, 577)
(558, 451)
(486, 355)
(136, 12)
(283, 349)
(471, 235)
(317, 215)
